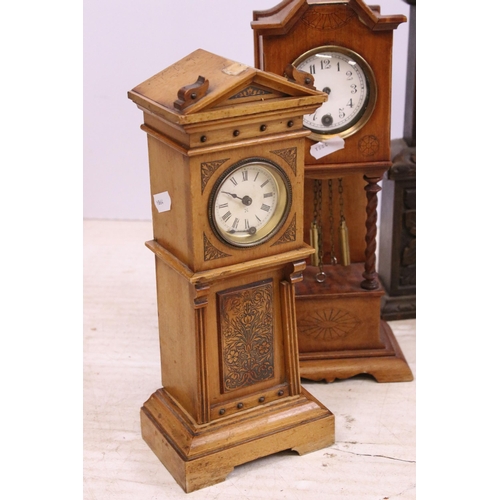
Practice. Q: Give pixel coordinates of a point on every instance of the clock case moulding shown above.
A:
(340, 330)
(213, 412)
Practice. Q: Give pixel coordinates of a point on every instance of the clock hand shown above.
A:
(246, 200)
(233, 195)
(250, 230)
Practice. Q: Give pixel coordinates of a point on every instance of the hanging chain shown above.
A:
(333, 258)
(317, 187)
(316, 231)
(341, 200)
(320, 225)
(314, 227)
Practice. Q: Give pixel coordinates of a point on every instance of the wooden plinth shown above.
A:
(199, 456)
(385, 365)
(340, 331)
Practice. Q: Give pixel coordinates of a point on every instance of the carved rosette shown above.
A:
(247, 335)
(328, 324)
(368, 145)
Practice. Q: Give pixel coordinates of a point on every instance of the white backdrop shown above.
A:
(125, 43)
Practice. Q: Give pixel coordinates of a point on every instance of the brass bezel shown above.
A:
(366, 112)
(266, 232)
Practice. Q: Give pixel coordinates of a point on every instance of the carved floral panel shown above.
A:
(246, 335)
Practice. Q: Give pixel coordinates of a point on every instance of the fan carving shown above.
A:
(328, 324)
(322, 20)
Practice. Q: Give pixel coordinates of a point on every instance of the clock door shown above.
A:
(249, 343)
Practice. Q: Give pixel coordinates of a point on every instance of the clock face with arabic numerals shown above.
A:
(350, 84)
(250, 203)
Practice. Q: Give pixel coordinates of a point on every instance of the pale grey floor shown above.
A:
(373, 457)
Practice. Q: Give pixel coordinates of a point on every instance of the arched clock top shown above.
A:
(281, 18)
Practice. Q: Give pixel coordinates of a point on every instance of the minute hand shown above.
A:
(233, 195)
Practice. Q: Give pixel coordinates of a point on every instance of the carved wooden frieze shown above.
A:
(289, 155)
(324, 19)
(290, 234)
(328, 324)
(246, 335)
(208, 169)
(409, 239)
(210, 251)
(404, 164)
(400, 308)
(251, 91)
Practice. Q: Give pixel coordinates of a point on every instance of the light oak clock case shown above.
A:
(231, 387)
(340, 332)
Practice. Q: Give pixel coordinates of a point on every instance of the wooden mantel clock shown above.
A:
(343, 48)
(226, 155)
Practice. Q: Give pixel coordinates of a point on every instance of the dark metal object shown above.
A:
(398, 236)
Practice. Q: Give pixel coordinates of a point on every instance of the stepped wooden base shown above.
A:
(385, 365)
(199, 456)
(340, 331)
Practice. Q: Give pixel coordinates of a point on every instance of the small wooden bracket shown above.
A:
(300, 77)
(189, 94)
(295, 270)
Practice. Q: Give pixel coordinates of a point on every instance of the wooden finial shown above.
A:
(189, 94)
(300, 77)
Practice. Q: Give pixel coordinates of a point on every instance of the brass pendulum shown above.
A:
(345, 254)
(314, 237)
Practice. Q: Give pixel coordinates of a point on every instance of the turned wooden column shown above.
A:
(372, 188)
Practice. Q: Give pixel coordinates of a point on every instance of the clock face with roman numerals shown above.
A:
(250, 202)
(350, 84)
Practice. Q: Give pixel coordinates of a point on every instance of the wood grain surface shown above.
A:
(374, 452)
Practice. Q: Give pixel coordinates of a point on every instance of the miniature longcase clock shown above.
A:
(344, 49)
(226, 155)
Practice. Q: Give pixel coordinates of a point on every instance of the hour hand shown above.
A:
(246, 200)
(250, 230)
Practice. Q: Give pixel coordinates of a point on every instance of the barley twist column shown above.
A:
(372, 188)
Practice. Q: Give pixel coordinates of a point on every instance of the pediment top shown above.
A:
(204, 87)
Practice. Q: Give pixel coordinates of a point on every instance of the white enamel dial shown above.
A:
(249, 203)
(350, 85)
